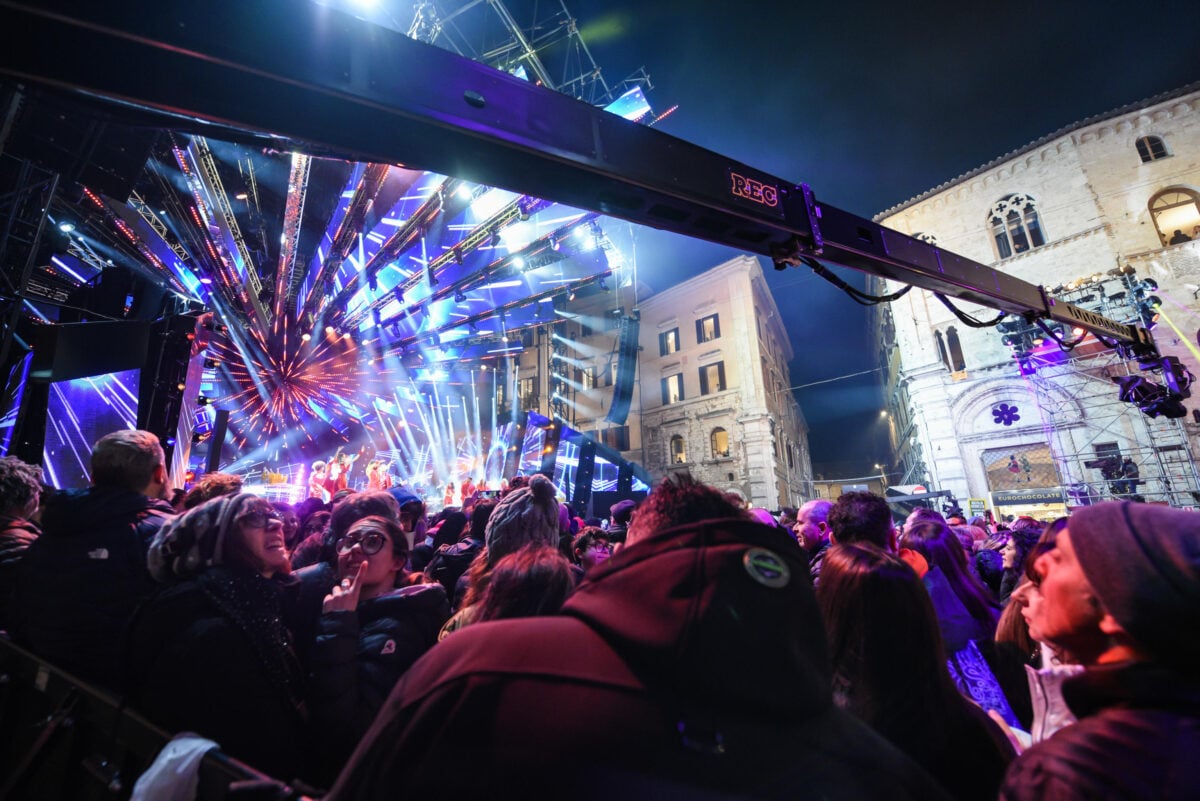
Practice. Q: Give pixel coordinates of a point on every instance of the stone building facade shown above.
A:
(1104, 214)
(715, 389)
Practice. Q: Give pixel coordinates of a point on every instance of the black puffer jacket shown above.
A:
(1137, 738)
(193, 667)
(16, 535)
(359, 656)
(80, 581)
(450, 562)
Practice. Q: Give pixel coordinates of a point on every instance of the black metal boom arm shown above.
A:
(304, 76)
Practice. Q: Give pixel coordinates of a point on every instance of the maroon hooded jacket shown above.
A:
(692, 664)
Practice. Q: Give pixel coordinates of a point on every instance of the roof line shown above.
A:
(1162, 97)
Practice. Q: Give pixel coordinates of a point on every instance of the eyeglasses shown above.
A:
(370, 540)
(600, 546)
(261, 519)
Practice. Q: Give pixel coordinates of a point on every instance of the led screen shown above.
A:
(79, 412)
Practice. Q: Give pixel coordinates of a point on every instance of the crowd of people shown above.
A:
(682, 646)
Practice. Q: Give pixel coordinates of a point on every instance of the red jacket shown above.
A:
(692, 662)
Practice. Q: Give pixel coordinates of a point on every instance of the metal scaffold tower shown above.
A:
(1090, 431)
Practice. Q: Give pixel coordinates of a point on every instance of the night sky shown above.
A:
(872, 104)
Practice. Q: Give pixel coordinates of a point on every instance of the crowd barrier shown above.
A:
(61, 738)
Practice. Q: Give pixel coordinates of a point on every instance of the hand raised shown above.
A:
(344, 596)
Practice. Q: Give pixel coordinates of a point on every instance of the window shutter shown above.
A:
(704, 381)
(720, 375)
(716, 326)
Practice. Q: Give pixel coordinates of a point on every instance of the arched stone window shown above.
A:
(719, 439)
(941, 346)
(1175, 209)
(1151, 148)
(1015, 225)
(678, 450)
(957, 361)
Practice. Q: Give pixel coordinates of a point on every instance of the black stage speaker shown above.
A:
(583, 474)
(627, 353)
(220, 426)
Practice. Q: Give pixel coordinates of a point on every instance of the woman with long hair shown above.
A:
(534, 581)
(948, 564)
(889, 669)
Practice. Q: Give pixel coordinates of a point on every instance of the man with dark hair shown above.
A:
(1120, 592)
(692, 664)
(80, 581)
(862, 517)
(618, 515)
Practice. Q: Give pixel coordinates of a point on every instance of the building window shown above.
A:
(587, 378)
(941, 346)
(719, 439)
(708, 328)
(1151, 148)
(585, 331)
(712, 378)
(1016, 227)
(672, 389)
(957, 362)
(528, 388)
(678, 450)
(668, 342)
(616, 438)
(1176, 213)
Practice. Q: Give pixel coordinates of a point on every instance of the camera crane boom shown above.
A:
(307, 77)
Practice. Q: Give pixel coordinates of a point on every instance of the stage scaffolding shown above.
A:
(1085, 421)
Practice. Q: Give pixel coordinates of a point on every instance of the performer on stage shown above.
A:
(378, 478)
(316, 482)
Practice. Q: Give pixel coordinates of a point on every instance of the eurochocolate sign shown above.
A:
(1050, 495)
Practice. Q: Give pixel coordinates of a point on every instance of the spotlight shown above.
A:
(210, 364)
(375, 316)
(459, 297)
(463, 192)
(330, 330)
(603, 284)
(372, 281)
(433, 279)
(398, 293)
(305, 337)
(458, 259)
(66, 227)
(496, 238)
(518, 262)
(201, 401)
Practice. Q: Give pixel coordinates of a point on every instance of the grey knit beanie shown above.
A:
(188, 544)
(1143, 562)
(524, 516)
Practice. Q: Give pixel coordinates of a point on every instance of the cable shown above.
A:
(859, 297)
(967, 319)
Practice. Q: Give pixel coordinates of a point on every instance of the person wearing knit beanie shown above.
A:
(1120, 594)
(1143, 563)
(526, 515)
(198, 539)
